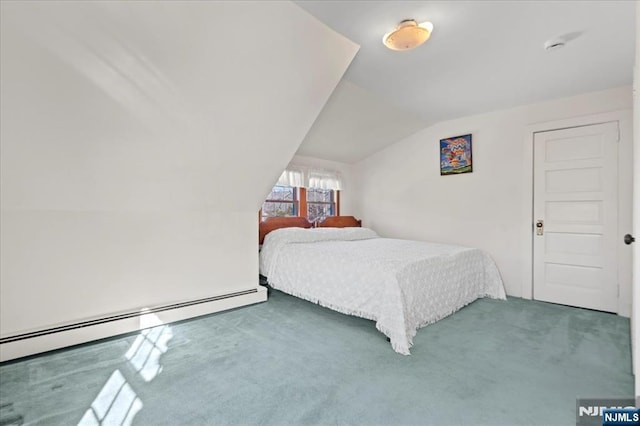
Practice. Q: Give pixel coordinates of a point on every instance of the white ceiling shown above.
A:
(482, 56)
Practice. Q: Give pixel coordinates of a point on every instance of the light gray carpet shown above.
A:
(288, 361)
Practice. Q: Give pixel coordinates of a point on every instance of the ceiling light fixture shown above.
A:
(407, 35)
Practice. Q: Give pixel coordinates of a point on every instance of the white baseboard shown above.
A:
(74, 334)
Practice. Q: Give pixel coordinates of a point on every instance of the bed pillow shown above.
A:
(274, 240)
(302, 235)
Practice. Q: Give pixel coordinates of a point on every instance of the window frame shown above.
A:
(300, 203)
(296, 201)
(333, 203)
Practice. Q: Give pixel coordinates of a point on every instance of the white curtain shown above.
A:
(292, 177)
(324, 179)
(301, 178)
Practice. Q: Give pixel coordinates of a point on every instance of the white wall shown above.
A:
(403, 195)
(138, 141)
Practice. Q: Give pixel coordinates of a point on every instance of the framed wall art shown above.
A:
(455, 155)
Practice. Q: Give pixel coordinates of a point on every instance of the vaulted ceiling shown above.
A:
(482, 56)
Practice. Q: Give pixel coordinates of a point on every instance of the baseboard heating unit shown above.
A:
(43, 340)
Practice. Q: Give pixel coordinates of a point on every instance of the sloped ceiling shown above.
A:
(482, 56)
(356, 123)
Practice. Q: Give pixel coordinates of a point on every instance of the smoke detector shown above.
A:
(554, 44)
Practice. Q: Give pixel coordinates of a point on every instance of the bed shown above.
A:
(402, 285)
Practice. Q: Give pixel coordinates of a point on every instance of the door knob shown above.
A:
(628, 239)
(539, 227)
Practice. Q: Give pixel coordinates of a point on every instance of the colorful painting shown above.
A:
(455, 155)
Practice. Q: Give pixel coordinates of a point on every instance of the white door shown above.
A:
(575, 210)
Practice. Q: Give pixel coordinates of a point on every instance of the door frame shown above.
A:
(624, 118)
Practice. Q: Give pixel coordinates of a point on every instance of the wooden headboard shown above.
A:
(274, 223)
(339, 222)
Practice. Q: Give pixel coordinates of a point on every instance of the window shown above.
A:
(313, 203)
(314, 194)
(320, 203)
(281, 201)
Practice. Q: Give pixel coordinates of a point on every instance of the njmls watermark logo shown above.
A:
(607, 412)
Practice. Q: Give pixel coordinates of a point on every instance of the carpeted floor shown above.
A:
(288, 361)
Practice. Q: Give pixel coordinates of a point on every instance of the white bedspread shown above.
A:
(400, 284)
